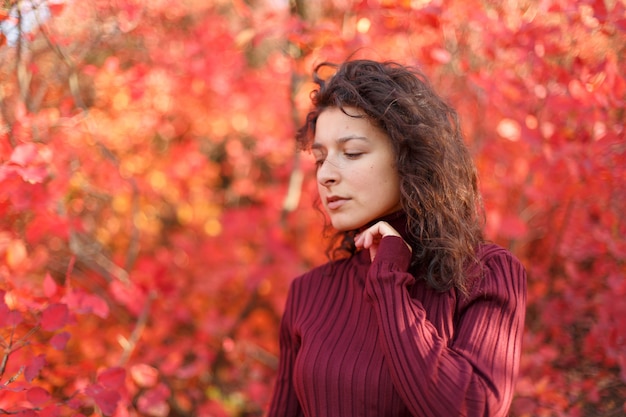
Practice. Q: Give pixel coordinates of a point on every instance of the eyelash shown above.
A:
(349, 155)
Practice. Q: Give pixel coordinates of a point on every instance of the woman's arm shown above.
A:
(284, 402)
(474, 373)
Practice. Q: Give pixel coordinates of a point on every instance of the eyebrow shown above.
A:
(340, 141)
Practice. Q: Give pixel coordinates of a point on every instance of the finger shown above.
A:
(383, 229)
(367, 239)
(373, 251)
(358, 240)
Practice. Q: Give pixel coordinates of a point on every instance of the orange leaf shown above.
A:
(16, 253)
(144, 375)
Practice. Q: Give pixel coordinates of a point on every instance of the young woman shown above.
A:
(421, 317)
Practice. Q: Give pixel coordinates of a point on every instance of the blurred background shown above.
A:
(153, 207)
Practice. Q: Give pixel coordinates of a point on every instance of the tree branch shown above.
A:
(130, 344)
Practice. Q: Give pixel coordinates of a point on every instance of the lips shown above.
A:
(334, 202)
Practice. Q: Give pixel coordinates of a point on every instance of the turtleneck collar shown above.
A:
(397, 220)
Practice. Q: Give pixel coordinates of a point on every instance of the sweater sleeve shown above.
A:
(474, 373)
(284, 402)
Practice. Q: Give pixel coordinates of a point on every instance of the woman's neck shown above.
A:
(397, 220)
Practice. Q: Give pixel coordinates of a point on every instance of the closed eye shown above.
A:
(352, 155)
(319, 156)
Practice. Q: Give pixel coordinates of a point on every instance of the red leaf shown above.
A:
(131, 296)
(600, 11)
(84, 303)
(34, 174)
(14, 318)
(75, 403)
(8, 317)
(4, 311)
(34, 367)
(56, 6)
(112, 378)
(55, 317)
(154, 401)
(25, 154)
(50, 411)
(38, 396)
(96, 305)
(49, 286)
(106, 399)
(59, 340)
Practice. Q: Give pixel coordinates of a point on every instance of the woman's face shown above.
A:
(356, 174)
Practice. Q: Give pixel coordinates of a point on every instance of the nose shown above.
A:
(327, 173)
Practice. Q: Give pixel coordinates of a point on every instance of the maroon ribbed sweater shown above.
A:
(368, 339)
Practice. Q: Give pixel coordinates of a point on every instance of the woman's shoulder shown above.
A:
(499, 270)
(489, 253)
(321, 273)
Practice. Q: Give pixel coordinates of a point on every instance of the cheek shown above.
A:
(390, 183)
(385, 174)
(364, 179)
(319, 189)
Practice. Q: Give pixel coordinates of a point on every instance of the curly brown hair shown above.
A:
(439, 184)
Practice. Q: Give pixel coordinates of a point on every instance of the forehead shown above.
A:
(336, 124)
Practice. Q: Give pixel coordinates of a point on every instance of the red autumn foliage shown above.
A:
(153, 209)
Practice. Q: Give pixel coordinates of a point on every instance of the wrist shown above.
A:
(394, 250)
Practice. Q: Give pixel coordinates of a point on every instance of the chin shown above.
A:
(342, 228)
(345, 226)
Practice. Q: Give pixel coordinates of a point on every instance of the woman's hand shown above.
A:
(370, 238)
